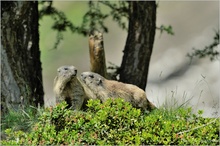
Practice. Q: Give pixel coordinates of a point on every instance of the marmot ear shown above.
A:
(99, 81)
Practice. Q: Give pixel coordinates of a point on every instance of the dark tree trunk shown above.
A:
(21, 72)
(139, 44)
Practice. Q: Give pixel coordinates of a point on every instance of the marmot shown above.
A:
(104, 89)
(67, 87)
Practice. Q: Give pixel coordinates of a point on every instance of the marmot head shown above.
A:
(66, 72)
(92, 79)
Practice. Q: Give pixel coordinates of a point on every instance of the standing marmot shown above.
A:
(104, 89)
(67, 87)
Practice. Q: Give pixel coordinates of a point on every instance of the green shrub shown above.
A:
(116, 122)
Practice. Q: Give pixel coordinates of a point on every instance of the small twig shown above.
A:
(197, 127)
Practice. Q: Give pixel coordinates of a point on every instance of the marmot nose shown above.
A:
(83, 76)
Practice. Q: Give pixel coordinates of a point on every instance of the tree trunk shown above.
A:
(139, 44)
(21, 72)
(97, 53)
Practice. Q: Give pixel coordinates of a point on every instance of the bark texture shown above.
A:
(97, 53)
(139, 43)
(21, 72)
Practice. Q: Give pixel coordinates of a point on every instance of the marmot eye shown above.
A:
(65, 68)
(91, 76)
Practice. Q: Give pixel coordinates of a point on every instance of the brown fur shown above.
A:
(67, 87)
(104, 89)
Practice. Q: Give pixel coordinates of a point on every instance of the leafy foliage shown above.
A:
(119, 12)
(61, 23)
(209, 51)
(94, 18)
(116, 122)
(168, 29)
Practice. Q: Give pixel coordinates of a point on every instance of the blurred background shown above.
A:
(173, 78)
